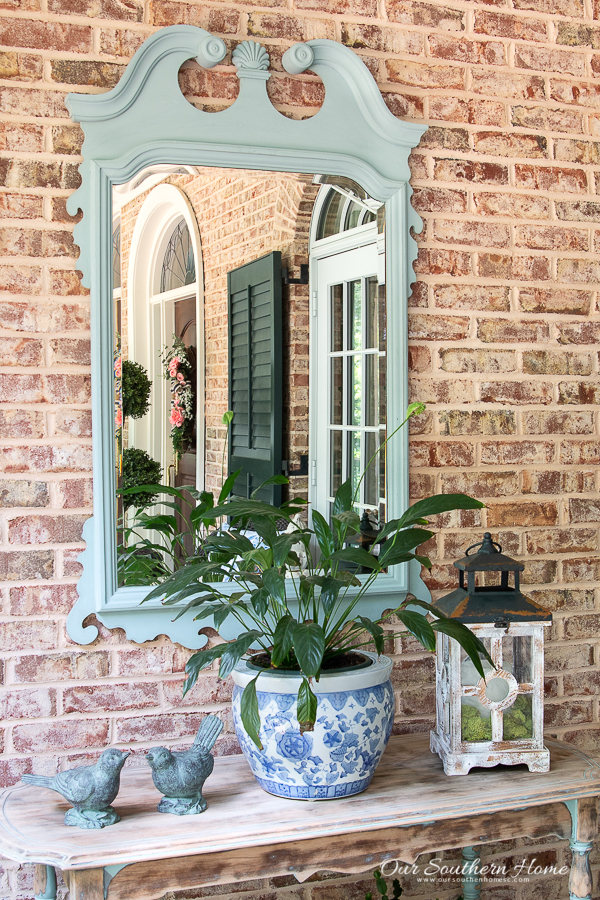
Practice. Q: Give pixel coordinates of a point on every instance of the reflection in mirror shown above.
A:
(212, 313)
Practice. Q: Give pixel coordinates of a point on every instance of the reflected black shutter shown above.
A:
(255, 375)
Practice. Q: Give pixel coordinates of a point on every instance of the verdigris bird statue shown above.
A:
(91, 789)
(180, 776)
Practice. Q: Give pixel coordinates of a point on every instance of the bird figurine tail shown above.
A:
(46, 781)
(208, 733)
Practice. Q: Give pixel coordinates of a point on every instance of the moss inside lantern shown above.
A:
(518, 720)
(474, 725)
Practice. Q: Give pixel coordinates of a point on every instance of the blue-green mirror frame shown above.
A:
(146, 120)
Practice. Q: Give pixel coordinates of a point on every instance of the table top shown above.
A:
(409, 788)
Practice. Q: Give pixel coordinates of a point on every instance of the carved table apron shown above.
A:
(410, 808)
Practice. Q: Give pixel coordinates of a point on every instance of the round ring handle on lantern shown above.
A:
(487, 545)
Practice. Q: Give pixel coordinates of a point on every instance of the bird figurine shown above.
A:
(91, 789)
(180, 776)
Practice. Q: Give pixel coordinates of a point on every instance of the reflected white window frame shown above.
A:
(164, 207)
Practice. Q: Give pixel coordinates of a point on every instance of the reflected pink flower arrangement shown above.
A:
(179, 369)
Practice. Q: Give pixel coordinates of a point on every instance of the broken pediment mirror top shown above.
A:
(145, 121)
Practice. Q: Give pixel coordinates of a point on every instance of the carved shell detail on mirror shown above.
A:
(251, 55)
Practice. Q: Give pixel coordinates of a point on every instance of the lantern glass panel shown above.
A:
(469, 675)
(475, 721)
(518, 719)
(516, 657)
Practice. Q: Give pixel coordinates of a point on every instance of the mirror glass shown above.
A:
(259, 293)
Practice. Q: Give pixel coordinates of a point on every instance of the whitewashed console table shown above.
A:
(410, 808)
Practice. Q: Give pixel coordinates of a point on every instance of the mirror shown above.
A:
(180, 240)
(159, 178)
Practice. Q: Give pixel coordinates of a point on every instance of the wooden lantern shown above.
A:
(499, 718)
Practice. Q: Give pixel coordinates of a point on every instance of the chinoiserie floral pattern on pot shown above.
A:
(354, 721)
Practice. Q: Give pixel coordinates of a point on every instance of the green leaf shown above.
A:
(376, 632)
(274, 479)
(275, 584)
(438, 503)
(324, 534)
(281, 547)
(231, 542)
(418, 625)
(233, 652)
(249, 712)
(307, 707)
(467, 640)
(228, 485)
(260, 601)
(343, 498)
(358, 556)
(266, 529)
(330, 590)
(282, 640)
(309, 647)
(349, 518)
(403, 542)
(240, 509)
(227, 417)
(200, 660)
(397, 889)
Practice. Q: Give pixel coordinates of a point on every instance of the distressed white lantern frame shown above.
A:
(458, 755)
(144, 121)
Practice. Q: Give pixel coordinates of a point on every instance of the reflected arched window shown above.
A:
(178, 266)
(343, 210)
(116, 257)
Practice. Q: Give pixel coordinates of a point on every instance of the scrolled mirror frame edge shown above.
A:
(145, 120)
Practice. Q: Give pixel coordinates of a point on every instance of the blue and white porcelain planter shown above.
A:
(354, 721)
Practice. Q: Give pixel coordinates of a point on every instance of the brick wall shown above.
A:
(504, 332)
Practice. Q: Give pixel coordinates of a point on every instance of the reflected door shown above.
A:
(185, 473)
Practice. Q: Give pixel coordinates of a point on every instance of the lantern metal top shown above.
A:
(499, 604)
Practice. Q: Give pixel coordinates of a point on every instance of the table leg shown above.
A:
(86, 884)
(585, 828)
(470, 880)
(44, 883)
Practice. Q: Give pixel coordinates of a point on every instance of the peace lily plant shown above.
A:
(301, 613)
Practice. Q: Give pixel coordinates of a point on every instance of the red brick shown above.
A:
(66, 283)
(23, 494)
(347, 7)
(584, 683)
(386, 40)
(555, 300)
(509, 26)
(29, 102)
(581, 569)
(584, 510)
(481, 484)
(555, 422)
(47, 598)
(551, 178)
(66, 388)
(579, 333)
(28, 704)
(405, 106)
(578, 93)
(73, 422)
(517, 453)
(512, 514)
(435, 328)
(25, 566)
(580, 453)
(467, 360)
(468, 171)
(208, 689)
(109, 697)
(563, 600)
(126, 10)
(30, 635)
(217, 21)
(560, 540)
(585, 626)
(408, 12)
(445, 46)
(487, 112)
(490, 421)
(537, 237)
(146, 661)
(62, 458)
(575, 35)
(21, 388)
(45, 529)
(496, 143)
(432, 261)
(419, 359)
(546, 60)
(154, 728)
(419, 296)
(578, 211)
(87, 665)
(21, 138)
(439, 200)
(39, 35)
(449, 109)
(427, 454)
(516, 392)
(20, 206)
(290, 28)
(471, 296)
(553, 7)
(61, 736)
(21, 423)
(579, 393)
(540, 571)
(583, 152)
(75, 493)
(429, 390)
(21, 279)
(509, 85)
(579, 271)
(124, 42)
(476, 234)
(417, 74)
(445, 138)
(512, 331)
(546, 119)
(517, 206)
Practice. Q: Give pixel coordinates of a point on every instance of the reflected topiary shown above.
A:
(139, 469)
(135, 387)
